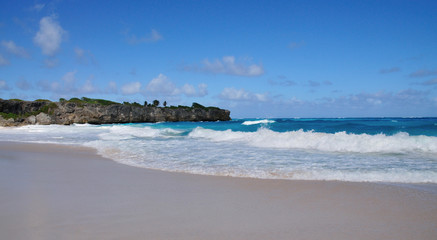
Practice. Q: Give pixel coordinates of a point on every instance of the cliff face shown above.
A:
(65, 113)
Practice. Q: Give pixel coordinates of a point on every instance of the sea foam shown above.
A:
(265, 121)
(258, 153)
(337, 142)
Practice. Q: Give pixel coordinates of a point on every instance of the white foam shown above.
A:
(127, 132)
(265, 121)
(328, 142)
(306, 155)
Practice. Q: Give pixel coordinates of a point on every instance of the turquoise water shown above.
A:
(399, 150)
(388, 126)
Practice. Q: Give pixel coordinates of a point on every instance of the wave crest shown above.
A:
(328, 142)
(120, 132)
(265, 121)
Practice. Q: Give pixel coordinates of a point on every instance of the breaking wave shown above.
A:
(258, 152)
(265, 121)
(327, 142)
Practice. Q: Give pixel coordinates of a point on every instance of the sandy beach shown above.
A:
(65, 192)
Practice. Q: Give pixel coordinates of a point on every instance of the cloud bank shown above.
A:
(162, 86)
(234, 94)
(154, 36)
(228, 65)
(12, 48)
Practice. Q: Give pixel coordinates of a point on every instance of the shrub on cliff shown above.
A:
(196, 105)
(46, 109)
(98, 101)
(8, 115)
(155, 103)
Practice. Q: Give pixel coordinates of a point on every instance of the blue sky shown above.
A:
(255, 58)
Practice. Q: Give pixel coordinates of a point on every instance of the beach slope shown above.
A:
(64, 192)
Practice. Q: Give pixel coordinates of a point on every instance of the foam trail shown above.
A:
(265, 121)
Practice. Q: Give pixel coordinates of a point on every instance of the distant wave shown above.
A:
(265, 121)
(328, 142)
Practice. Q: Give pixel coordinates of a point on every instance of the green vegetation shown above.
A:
(134, 104)
(179, 106)
(193, 106)
(98, 101)
(196, 105)
(50, 107)
(8, 115)
(16, 99)
(155, 103)
(84, 100)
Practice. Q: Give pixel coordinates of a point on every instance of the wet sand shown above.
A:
(65, 192)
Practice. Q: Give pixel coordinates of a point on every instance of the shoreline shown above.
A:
(61, 191)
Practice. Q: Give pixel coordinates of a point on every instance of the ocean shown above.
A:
(392, 150)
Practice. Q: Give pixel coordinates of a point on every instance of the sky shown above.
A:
(259, 59)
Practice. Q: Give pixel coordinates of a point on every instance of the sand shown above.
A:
(65, 192)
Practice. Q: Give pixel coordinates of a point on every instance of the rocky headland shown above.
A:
(94, 111)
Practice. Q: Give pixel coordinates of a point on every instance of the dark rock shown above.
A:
(65, 113)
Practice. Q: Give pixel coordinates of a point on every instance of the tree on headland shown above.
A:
(165, 103)
(145, 103)
(155, 103)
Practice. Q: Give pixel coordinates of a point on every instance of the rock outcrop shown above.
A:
(16, 113)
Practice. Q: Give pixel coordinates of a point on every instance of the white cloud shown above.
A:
(315, 84)
(161, 85)
(12, 48)
(242, 95)
(23, 84)
(430, 82)
(154, 36)
(69, 77)
(68, 85)
(189, 90)
(228, 65)
(389, 70)
(51, 62)
(423, 73)
(234, 94)
(38, 7)
(112, 87)
(80, 53)
(131, 88)
(294, 45)
(50, 36)
(84, 56)
(203, 90)
(88, 87)
(3, 61)
(69, 80)
(4, 85)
